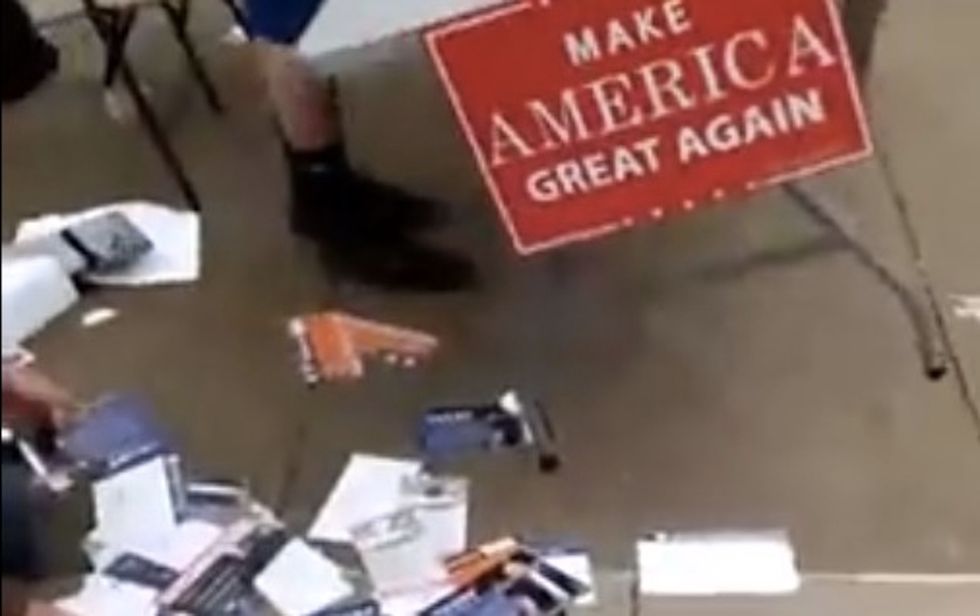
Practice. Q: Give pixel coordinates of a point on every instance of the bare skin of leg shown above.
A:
(302, 101)
(325, 206)
(17, 602)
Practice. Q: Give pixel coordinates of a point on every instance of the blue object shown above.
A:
(449, 432)
(280, 21)
(119, 432)
(471, 602)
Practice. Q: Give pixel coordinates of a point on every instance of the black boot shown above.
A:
(362, 228)
(325, 189)
(395, 262)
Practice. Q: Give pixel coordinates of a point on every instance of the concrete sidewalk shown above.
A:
(736, 369)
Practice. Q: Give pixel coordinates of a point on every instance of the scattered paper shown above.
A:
(579, 566)
(98, 316)
(299, 581)
(441, 505)
(369, 487)
(445, 527)
(179, 548)
(102, 596)
(135, 506)
(35, 291)
(397, 553)
(718, 564)
(967, 307)
(176, 237)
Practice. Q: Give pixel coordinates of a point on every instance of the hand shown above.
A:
(29, 395)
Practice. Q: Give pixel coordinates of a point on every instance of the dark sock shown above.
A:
(329, 196)
(324, 162)
(316, 179)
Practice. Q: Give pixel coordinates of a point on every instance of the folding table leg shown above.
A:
(113, 27)
(177, 12)
(931, 345)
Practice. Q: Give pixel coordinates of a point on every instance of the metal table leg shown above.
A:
(113, 26)
(913, 302)
(177, 12)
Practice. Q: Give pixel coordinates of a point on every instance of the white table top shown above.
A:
(343, 26)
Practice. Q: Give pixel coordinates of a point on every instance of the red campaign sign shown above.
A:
(588, 116)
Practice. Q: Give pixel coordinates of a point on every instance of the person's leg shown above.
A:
(360, 225)
(302, 102)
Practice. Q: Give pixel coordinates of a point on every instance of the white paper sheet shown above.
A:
(441, 506)
(445, 527)
(176, 237)
(718, 564)
(135, 506)
(369, 487)
(397, 553)
(101, 596)
(300, 581)
(579, 566)
(181, 547)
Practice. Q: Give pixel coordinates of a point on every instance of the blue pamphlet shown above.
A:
(119, 432)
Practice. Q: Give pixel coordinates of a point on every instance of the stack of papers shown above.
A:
(402, 522)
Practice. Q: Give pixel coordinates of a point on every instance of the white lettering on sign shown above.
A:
(595, 171)
(594, 116)
(639, 28)
(723, 133)
(728, 132)
(504, 138)
(734, 67)
(805, 44)
(611, 95)
(746, 62)
(563, 128)
(661, 79)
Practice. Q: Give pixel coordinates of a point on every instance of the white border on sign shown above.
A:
(432, 37)
(836, 21)
(431, 40)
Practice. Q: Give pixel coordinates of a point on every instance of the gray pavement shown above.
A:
(737, 369)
